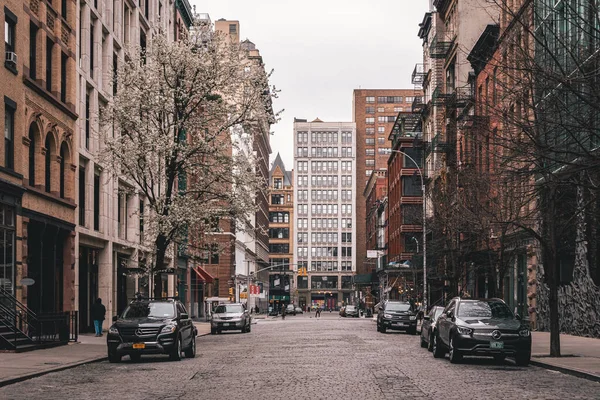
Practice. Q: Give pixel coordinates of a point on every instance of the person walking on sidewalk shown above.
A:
(283, 312)
(98, 312)
(318, 312)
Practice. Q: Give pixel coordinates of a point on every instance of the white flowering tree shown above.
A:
(174, 128)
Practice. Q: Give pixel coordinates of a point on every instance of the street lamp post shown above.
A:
(424, 226)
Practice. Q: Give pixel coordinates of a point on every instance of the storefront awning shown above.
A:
(203, 275)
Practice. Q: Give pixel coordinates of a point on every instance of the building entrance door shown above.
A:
(88, 286)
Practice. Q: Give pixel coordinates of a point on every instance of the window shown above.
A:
(33, 30)
(216, 287)
(48, 163)
(214, 253)
(368, 172)
(370, 152)
(32, 147)
(370, 141)
(412, 214)
(281, 248)
(141, 212)
(370, 120)
(370, 163)
(232, 29)
(411, 186)
(97, 203)
(370, 99)
(87, 121)
(381, 129)
(279, 217)
(346, 251)
(398, 109)
(63, 8)
(415, 154)
(63, 77)
(279, 233)
(278, 183)
(370, 131)
(9, 132)
(10, 41)
(409, 99)
(346, 237)
(389, 99)
(381, 140)
(62, 170)
(82, 195)
(49, 45)
(370, 110)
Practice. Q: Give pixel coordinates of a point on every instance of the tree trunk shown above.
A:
(550, 263)
(159, 264)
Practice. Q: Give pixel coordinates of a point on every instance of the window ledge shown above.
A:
(11, 172)
(11, 68)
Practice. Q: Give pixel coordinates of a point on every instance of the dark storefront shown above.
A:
(47, 244)
(88, 286)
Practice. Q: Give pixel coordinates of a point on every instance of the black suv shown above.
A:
(397, 315)
(150, 326)
(484, 327)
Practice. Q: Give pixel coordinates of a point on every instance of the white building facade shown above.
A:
(324, 212)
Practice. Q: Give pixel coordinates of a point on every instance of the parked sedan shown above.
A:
(428, 326)
(484, 327)
(230, 317)
(299, 310)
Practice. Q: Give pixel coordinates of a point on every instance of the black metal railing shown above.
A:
(19, 326)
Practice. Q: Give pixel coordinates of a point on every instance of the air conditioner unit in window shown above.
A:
(11, 58)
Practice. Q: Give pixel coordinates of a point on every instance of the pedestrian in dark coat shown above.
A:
(98, 313)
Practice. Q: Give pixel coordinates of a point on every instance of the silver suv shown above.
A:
(230, 317)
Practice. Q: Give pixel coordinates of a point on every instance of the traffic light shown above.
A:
(231, 291)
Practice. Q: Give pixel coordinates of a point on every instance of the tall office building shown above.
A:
(324, 211)
(374, 112)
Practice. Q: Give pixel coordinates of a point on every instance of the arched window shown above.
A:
(32, 144)
(64, 154)
(48, 146)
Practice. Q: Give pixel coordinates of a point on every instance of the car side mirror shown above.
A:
(115, 318)
(380, 308)
(184, 316)
(518, 317)
(426, 318)
(450, 315)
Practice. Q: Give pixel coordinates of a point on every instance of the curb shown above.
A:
(25, 377)
(568, 371)
(32, 375)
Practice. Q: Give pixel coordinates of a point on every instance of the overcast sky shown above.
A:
(323, 49)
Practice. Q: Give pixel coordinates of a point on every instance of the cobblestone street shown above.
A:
(304, 358)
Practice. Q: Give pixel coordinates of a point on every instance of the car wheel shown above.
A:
(438, 351)
(213, 331)
(190, 352)
(383, 329)
(454, 354)
(499, 358)
(249, 327)
(113, 357)
(135, 357)
(430, 344)
(423, 342)
(176, 351)
(523, 360)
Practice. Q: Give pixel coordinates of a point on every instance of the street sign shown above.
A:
(27, 282)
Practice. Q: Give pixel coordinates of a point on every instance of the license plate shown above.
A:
(496, 345)
(399, 323)
(226, 324)
(139, 345)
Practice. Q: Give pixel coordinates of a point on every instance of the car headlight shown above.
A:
(464, 330)
(412, 317)
(387, 315)
(168, 329)
(524, 332)
(114, 330)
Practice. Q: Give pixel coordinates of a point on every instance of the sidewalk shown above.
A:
(581, 355)
(16, 367)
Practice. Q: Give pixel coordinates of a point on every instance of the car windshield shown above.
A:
(484, 309)
(151, 309)
(397, 307)
(350, 308)
(229, 308)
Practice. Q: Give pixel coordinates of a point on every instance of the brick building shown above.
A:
(281, 234)
(37, 157)
(374, 112)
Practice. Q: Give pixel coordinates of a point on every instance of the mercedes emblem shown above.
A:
(139, 332)
(496, 334)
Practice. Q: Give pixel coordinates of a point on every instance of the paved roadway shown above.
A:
(304, 358)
